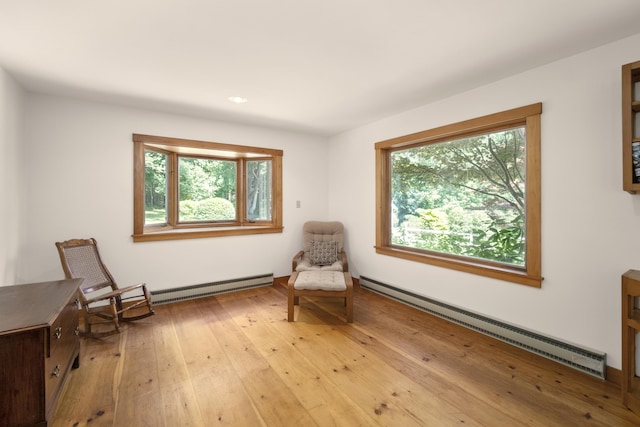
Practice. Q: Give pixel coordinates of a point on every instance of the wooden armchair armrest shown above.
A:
(297, 257)
(345, 264)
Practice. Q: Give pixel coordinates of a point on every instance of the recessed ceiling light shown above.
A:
(237, 99)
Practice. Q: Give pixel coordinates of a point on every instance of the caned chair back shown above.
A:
(81, 259)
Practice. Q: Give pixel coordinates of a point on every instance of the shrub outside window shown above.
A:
(465, 196)
(189, 189)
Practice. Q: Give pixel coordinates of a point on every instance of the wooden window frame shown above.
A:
(203, 149)
(528, 116)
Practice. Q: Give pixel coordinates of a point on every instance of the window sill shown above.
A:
(497, 272)
(182, 234)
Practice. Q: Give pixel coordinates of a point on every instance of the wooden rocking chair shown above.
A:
(101, 299)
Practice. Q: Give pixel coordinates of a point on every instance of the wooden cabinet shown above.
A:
(631, 127)
(39, 344)
(630, 330)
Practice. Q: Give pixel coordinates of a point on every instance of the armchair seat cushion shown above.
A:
(321, 280)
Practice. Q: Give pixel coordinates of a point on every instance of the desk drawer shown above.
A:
(63, 346)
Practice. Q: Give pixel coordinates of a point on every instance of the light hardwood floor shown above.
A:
(234, 360)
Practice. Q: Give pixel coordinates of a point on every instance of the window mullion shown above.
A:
(276, 176)
(172, 190)
(241, 193)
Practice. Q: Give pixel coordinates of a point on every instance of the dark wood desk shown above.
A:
(39, 344)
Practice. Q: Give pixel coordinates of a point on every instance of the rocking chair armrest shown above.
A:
(296, 259)
(103, 297)
(116, 293)
(132, 287)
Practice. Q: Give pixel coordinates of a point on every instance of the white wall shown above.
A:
(590, 227)
(11, 181)
(80, 162)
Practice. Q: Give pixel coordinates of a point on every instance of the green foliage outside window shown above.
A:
(155, 187)
(207, 189)
(462, 197)
(207, 209)
(259, 190)
(191, 189)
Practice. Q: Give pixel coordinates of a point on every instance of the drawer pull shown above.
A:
(58, 332)
(76, 331)
(56, 371)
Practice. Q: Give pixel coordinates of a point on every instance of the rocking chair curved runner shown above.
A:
(101, 299)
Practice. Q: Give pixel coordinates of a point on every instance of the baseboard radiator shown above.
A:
(165, 296)
(586, 360)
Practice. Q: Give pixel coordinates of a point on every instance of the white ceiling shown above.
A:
(320, 66)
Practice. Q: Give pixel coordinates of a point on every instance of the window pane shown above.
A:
(259, 190)
(464, 197)
(155, 188)
(207, 190)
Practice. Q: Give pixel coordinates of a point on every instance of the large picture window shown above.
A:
(188, 189)
(465, 196)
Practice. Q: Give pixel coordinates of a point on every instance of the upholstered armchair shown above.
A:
(322, 248)
(320, 269)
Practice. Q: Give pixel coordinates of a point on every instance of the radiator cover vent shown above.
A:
(207, 289)
(590, 361)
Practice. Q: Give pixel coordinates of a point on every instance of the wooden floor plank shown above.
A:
(270, 397)
(221, 395)
(234, 360)
(452, 359)
(327, 403)
(83, 404)
(511, 381)
(452, 394)
(448, 393)
(178, 398)
(137, 384)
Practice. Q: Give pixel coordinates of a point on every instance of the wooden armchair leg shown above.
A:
(349, 298)
(290, 309)
(292, 299)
